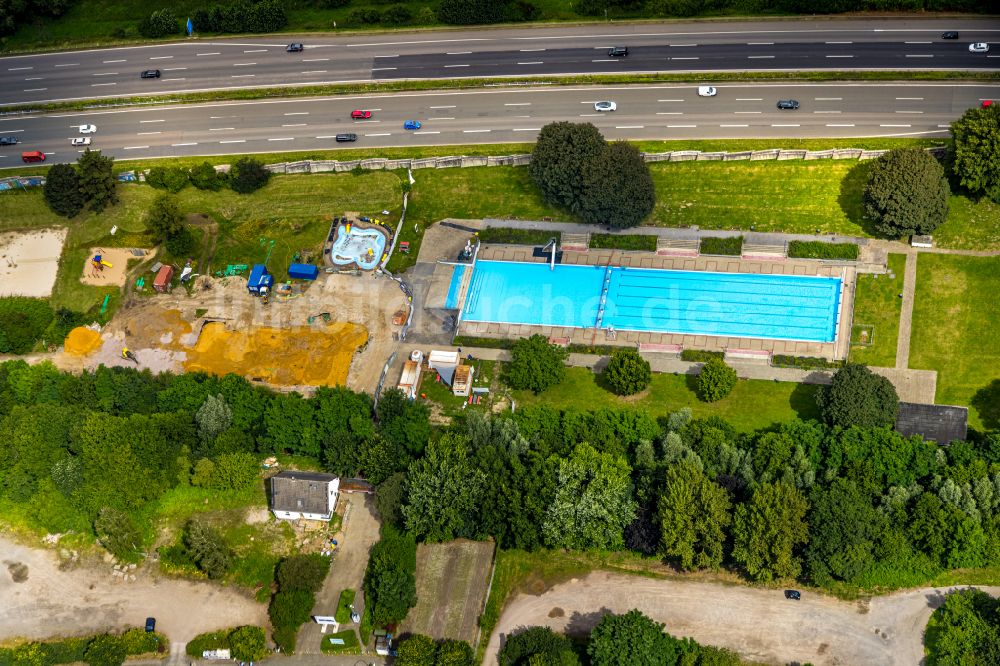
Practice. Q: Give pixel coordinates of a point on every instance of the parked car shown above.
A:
(88, 129)
(150, 625)
(8, 140)
(347, 136)
(411, 125)
(358, 114)
(951, 34)
(788, 104)
(794, 595)
(294, 47)
(707, 91)
(605, 106)
(618, 51)
(979, 47)
(81, 141)
(150, 74)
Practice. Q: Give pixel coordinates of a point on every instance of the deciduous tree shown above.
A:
(768, 529)
(248, 643)
(207, 548)
(535, 364)
(537, 645)
(303, 572)
(560, 161)
(417, 650)
(118, 533)
(62, 190)
(858, 397)
(213, 417)
(443, 490)
(627, 372)
(907, 193)
(975, 152)
(633, 638)
(618, 188)
(97, 180)
(694, 515)
(248, 175)
(716, 380)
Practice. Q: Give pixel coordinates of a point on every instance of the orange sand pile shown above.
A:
(82, 341)
(300, 356)
(157, 328)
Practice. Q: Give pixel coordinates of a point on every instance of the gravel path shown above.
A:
(759, 624)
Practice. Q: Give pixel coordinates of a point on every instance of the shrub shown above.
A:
(858, 397)
(820, 250)
(248, 644)
(248, 175)
(106, 650)
(907, 193)
(284, 638)
(138, 641)
(205, 177)
(291, 608)
(172, 179)
(535, 364)
(700, 355)
(508, 236)
(716, 380)
(62, 190)
(470, 12)
(364, 16)
(732, 246)
(642, 242)
(159, 24)
(23, 320)
(303, 572)
(397, 15)
(804, 362)
(627, 372)
(207, 549)
(618, 189)
(213, 640)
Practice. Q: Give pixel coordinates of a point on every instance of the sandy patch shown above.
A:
(29, 262)
(107, 276)
(82, 341)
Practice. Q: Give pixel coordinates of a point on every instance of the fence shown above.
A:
(462, 161)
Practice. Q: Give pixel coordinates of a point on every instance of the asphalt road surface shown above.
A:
(759, 624)
(500, 116)
(804, 44)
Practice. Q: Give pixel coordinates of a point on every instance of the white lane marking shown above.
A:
(241, 76)
(527, 129)
(152, 121)
(452, 106)
(284, 138)
(682, 45)
(380, 134)
(297, 113)
(479, 131)
(909, 111)
(314, 71)
(840, 125)
(221, 129)
(517, 104)
(458, 52)
(749, 99)
(760, 43)
(161, 57)
(147, 133)
(839, 42)
(69, 64)
(591, 115)
(785, 125)
(840, 56)
(193, 143)
(675, 126)
(734, 126)
(456, 65)
(919, 55)
(826, 111)
(381, 69)
(105, 74)
(106, 62)
(532, 62)
(522, 116)
(918, 42)
(669, 100)
(427, 132)
(630, 127)
(34, 78)
(894, 125)
(243, 64)
(748, 112)
(134, 147)
(173, 69)
(179, 78)
(530, 50)
(396, 55)
(684, 58)
(441, 118)
(327, 136)
(763, 56)
(325, 59)
(255, 51)
(828, 99)
(208, 54)
(670, 113)
(18, 69)
(296, 125)
(96, 85)
(21, 130)
(914, 99)
(602, 60)
(234, 141)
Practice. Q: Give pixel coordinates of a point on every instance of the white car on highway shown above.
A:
(706, 91)
(979, 47)
(81, 141)
(88, 129)
(605, 106)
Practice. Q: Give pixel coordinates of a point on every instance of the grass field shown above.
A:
(350, 643)
(451, 588)
(956, 315)
(877, 304)
(753, 404)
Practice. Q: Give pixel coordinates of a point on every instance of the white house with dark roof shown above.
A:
(304, 495)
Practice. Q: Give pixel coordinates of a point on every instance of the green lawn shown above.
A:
(956, 316)
(350, 645)
(971, 225)
(876, 310)
(753, 404)
(451, 404)
(344, 604)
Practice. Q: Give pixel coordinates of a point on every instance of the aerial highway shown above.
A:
(665, 111)
(716, 46)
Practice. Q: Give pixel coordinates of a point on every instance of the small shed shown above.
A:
(943, 424)
(259, 280)
(161, 282)
(303, 271)
(462, 383)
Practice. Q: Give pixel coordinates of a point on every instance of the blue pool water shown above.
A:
(785, 307)
(363, 247)
(451, 302)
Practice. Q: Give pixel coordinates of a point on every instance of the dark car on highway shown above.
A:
(951, 34)
(294, 47)
(8, 140)
(618, 51)
(347, 137)
(794, 595)
(150, 74)
(788, 104)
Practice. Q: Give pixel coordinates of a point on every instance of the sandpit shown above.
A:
(107, 276)
(298, 356)
(82, 341)
(29, 262)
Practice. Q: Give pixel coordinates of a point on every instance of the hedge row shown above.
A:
(728, 246)
(820, 250)
(70, 650)
(508, 236)
(486, 343)
(804, 362)
(700, 355)
(623, 242)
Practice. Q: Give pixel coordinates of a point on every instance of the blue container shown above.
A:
(303, 271)
(259, 278)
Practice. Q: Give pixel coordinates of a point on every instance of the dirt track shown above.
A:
(89, 599)
(759, 624)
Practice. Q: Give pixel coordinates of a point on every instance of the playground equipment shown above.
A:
(324, 315)
(129, 355)
(98, 263)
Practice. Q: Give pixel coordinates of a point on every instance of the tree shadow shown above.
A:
(986, 401)
(581, 624)
(803, 401)
(852, 188)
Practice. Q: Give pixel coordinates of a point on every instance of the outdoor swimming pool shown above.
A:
(363, 247)
(781, 307)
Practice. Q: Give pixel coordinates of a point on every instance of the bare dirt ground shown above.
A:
(451, 589)
(86, 598)
(761, 625)
(113, 275)
(29, 262)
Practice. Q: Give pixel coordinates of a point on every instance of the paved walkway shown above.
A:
(906, 312)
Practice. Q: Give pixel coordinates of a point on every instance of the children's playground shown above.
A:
(357, 241)
(106, 267)
(29, 262)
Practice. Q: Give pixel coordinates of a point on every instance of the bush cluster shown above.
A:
(299, 579)
(242, 16)
(804, 362)
(68, 188)
(642, 242)
(510, 236)
(700, 355)
(731, 246)
(820, 250)
(174, 179)
(160, 23)
(23, 322)
(395, 15)
(97, 650)
(390, 579)
(479, 12)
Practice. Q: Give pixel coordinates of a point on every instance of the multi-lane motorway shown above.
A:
(804, 44)
(502, 116)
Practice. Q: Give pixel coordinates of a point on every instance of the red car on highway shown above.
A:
(358, 114)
